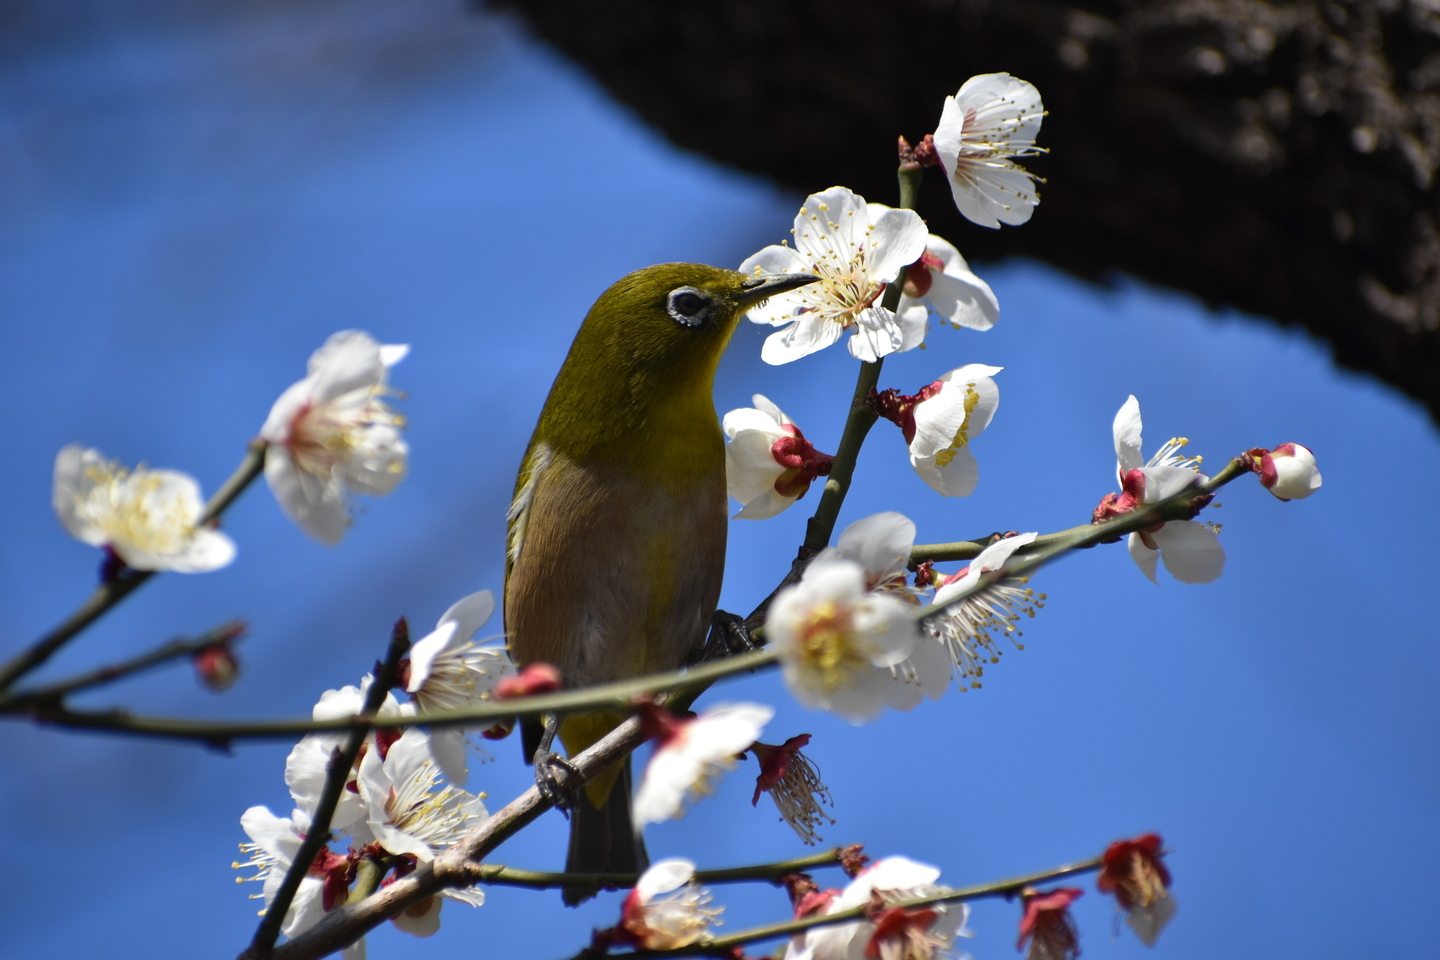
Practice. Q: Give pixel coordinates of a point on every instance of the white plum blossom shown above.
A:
(1289, 471)
(991, 119)
(881, 545)
(894, 933)
(449, 671)
(940, 421)
(307, 765)
(273, 847)
(331, 434)
(837, 642)
(942, 281)
(768, 462)
(1190, 550)
(667, 910)
(694, 755)
(856, 250)
(965, 627)
(148, 517)
(409, 813)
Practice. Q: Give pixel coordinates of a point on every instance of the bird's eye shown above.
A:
(688, 306)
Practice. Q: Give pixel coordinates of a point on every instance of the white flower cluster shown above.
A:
(326, 435)
(403, 803)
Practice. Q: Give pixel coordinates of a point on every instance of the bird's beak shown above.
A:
(755, 289)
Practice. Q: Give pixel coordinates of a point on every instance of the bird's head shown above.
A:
(674, 319)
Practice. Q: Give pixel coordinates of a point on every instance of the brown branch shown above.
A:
(108, 594)
(337, 772)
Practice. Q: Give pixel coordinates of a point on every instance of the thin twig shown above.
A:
(107, 595)
(1173, 508)
(494, 874)
(723, 945)
(220, 733)
(165, 653)
(337, 772)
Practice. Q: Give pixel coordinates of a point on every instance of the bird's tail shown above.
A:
(603, 839)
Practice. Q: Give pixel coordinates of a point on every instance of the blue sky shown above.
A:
(190, 203)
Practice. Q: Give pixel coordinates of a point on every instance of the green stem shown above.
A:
(107, 595)
(1002, 888)
(495, 874)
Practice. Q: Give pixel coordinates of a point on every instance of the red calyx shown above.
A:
(337, 871)
(899, 408)
(1130, 867)
(660, 724)
(920, 275)
(802, 462)
(892, 922)
(775, 762)
(1047, 919)
(852, 860)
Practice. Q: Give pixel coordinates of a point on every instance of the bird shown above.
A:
(616, 533)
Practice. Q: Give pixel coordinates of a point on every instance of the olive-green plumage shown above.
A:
(617, 531)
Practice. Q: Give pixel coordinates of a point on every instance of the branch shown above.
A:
(723, 945)
(459, 866)
(1077, 538)
(337, 772)
(112, 592)
(37, 699)
(219, 733)
(494, 874)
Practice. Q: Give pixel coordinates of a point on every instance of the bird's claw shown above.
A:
(728, 637)
(548, 782)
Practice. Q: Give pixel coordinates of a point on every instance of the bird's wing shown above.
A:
(536, 462)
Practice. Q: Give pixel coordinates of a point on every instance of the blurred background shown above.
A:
(193, 197)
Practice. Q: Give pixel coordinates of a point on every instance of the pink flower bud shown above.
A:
(216, 667)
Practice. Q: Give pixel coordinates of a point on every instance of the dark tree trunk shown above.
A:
(1275, 157)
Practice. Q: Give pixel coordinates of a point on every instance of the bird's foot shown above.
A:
(728, 637)
(547, 779)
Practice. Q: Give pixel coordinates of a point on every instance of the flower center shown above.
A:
(827, 642)
(129, 508)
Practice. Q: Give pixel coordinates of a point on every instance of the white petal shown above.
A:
(297, 397)
(913, 318)
(774, 259)
(377, 463)
(664, 876)
(958, 477)
(994, 556)
(1127, 429)
(447, 747)
(880, 543)
(898, 241)
(1145, 558)
(1296, 475)
(769, 503)
(806, 336)
(206, 550)
(71, 486)
(426, 924)
(767, 407)
(877, 334)
(426, 649)
(407, 755)
(728, 728)
(348, 361)
(393, 353)
(965, 300)
(750, 467)
(1191, 551)
(314, 505)
(668, 777)
(1147, 922)
(1161, 483)
(751, 418)
(925, 674)
(307, 909)
(469, 614)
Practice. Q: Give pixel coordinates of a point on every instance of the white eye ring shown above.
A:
(688, 306)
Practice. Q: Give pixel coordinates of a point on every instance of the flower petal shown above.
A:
(880, 543)
(1127, 428)
(1191, 551)
(808, 334)
(663, 877)
(1145, 558)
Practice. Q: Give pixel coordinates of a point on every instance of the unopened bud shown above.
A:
(535, 679)
(1289, 471)
(216, 666)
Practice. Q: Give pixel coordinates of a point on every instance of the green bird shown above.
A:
(616, 544)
